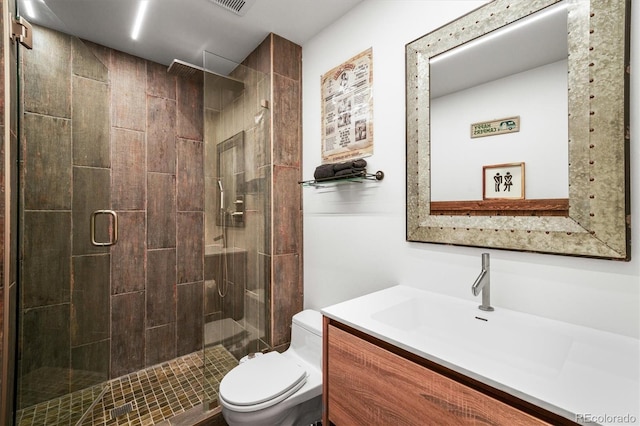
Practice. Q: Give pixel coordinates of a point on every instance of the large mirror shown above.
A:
(587, 214)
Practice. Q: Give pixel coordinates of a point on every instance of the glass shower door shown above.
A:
(237, 216)
(66, 226)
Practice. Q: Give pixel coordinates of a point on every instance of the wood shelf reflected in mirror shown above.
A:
(547, 207)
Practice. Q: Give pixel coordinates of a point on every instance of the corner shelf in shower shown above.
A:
(355, 178)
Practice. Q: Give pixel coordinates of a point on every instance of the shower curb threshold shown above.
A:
(196, 416)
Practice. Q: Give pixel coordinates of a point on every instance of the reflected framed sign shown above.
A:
(503, 181)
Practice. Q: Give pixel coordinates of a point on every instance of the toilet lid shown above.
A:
(262, 379)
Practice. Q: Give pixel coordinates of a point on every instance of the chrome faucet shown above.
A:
(483, 284)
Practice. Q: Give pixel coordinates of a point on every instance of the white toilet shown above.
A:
(279, 388)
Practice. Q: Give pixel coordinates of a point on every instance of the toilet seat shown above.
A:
(280, 377)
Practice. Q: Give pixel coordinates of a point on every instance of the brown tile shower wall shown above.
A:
(287, 290)
(282, 60)
(287, 294)
(134, 145)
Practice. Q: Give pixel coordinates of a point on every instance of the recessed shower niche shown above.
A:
(230, 166)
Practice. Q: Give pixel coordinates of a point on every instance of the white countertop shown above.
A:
(583, 374)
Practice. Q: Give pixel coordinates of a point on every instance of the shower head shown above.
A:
(184, 69)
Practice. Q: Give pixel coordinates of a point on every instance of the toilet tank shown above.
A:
(306, 336)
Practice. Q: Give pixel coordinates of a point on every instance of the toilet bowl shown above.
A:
(279, 388)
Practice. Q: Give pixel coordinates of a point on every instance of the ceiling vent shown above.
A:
(239, 7)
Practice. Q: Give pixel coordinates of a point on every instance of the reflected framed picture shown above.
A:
(503, 181)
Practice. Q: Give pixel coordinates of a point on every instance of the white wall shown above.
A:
(354, 235)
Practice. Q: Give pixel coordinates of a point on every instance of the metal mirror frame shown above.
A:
(598, 224)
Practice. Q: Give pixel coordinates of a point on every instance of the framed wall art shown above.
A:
(503, 181)
(347, 109)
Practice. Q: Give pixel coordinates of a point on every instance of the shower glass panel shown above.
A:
(65, 224)
(237, 215)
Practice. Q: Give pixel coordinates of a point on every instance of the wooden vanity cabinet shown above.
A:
(369, 382)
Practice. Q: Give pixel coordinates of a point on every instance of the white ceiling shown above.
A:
(183, 29)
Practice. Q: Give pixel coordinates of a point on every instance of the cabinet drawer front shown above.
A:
(369, 385)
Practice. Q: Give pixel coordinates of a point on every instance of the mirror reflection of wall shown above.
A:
(518, 70)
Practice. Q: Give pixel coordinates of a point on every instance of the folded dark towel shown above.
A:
(342, 166)
(353, 171)
(324, 171)
(358, 164)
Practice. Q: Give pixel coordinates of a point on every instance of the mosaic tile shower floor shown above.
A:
(156, 394)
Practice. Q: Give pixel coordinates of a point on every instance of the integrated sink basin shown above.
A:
(461, 328)
(577, 372)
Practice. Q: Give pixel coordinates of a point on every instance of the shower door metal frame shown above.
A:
(111, 229)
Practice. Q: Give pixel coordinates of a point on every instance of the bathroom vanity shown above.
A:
(407, 356)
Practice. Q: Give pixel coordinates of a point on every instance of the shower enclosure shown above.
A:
(144, 227)
(237, 174)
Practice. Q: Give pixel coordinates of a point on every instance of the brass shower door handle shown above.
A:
(114, 228)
